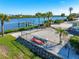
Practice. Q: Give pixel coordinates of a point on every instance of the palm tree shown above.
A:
(49, 14)
(70, 9)
(38, 15)
(3, 18)
(61, 32)
(70, 17)
(44, 16)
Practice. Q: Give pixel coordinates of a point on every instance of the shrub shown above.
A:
(48, 23)
(20, 29)
(74, 41)
(58, 21)
(9, 31)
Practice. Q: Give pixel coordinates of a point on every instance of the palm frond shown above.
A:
(62, 31)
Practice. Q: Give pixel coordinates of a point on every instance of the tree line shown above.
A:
(33, 16)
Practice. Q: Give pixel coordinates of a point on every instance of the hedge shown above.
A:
(58, 21)
(20, 29)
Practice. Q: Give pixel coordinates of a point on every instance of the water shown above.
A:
(13, 23)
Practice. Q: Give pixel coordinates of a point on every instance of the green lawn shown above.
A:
(10, 49)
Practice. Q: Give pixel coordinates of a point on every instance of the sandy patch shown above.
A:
(4, 50)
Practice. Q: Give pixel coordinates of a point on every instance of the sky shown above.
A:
(31, 7)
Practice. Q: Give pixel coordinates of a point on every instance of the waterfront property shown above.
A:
(39, 29)
(44, 42)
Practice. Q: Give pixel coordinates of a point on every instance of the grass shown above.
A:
(14, 49)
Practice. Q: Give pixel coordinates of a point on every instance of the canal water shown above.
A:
(23, 22)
